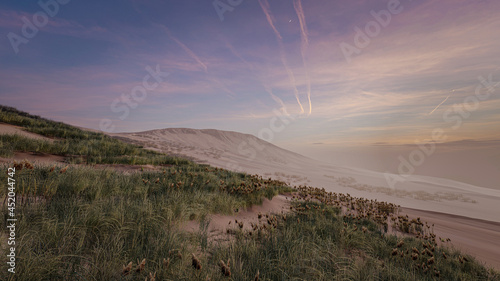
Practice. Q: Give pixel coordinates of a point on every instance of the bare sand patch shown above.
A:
(12, 130)
(479, 238)
(34, 158)
(219, 224)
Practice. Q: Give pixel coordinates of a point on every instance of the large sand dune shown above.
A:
(247, 153)
(468, 214)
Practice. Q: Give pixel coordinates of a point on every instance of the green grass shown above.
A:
(89, 222)
(77, 145)
(320, 247)
(42, 126)
(83, 223)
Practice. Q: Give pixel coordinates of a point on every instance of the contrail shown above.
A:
(199, 61)
(236, 54)
(302, 21)
(440, 104)
(270, 19)
(267, 11)
(186, 49)
(251, 67)
(277, 99)
(226, 89)
(297, 5)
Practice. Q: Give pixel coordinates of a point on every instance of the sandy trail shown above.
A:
(219, 224)
(11, 130)
(34, 158)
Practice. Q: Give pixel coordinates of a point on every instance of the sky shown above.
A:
(307, 75)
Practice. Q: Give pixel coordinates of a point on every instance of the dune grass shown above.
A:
(83, 223)
(320, 244)
(78, 146)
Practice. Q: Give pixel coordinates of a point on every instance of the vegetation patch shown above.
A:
(81, 223)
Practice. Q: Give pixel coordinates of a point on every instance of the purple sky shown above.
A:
(298, 58)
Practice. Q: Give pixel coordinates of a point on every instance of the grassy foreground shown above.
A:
(82, 223)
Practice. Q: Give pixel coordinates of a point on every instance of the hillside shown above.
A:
(246, 153)
(216, 147)
(85, 221)
(450, 205)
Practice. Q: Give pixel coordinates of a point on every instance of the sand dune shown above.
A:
(247, 153)
(465, 213)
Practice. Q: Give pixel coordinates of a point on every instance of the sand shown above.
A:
(12, 130)
(467, 214)
(246, 153)
(219, 224)
(479, 238)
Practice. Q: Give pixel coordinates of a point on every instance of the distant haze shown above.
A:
(244, 152)
(473, 162)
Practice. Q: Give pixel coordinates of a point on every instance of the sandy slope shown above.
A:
(11, 130)
(451, 206)
(467, 214)
(247, 153)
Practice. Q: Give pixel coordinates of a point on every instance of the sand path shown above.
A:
(479, 238)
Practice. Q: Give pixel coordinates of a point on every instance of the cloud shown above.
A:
(385, 93)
